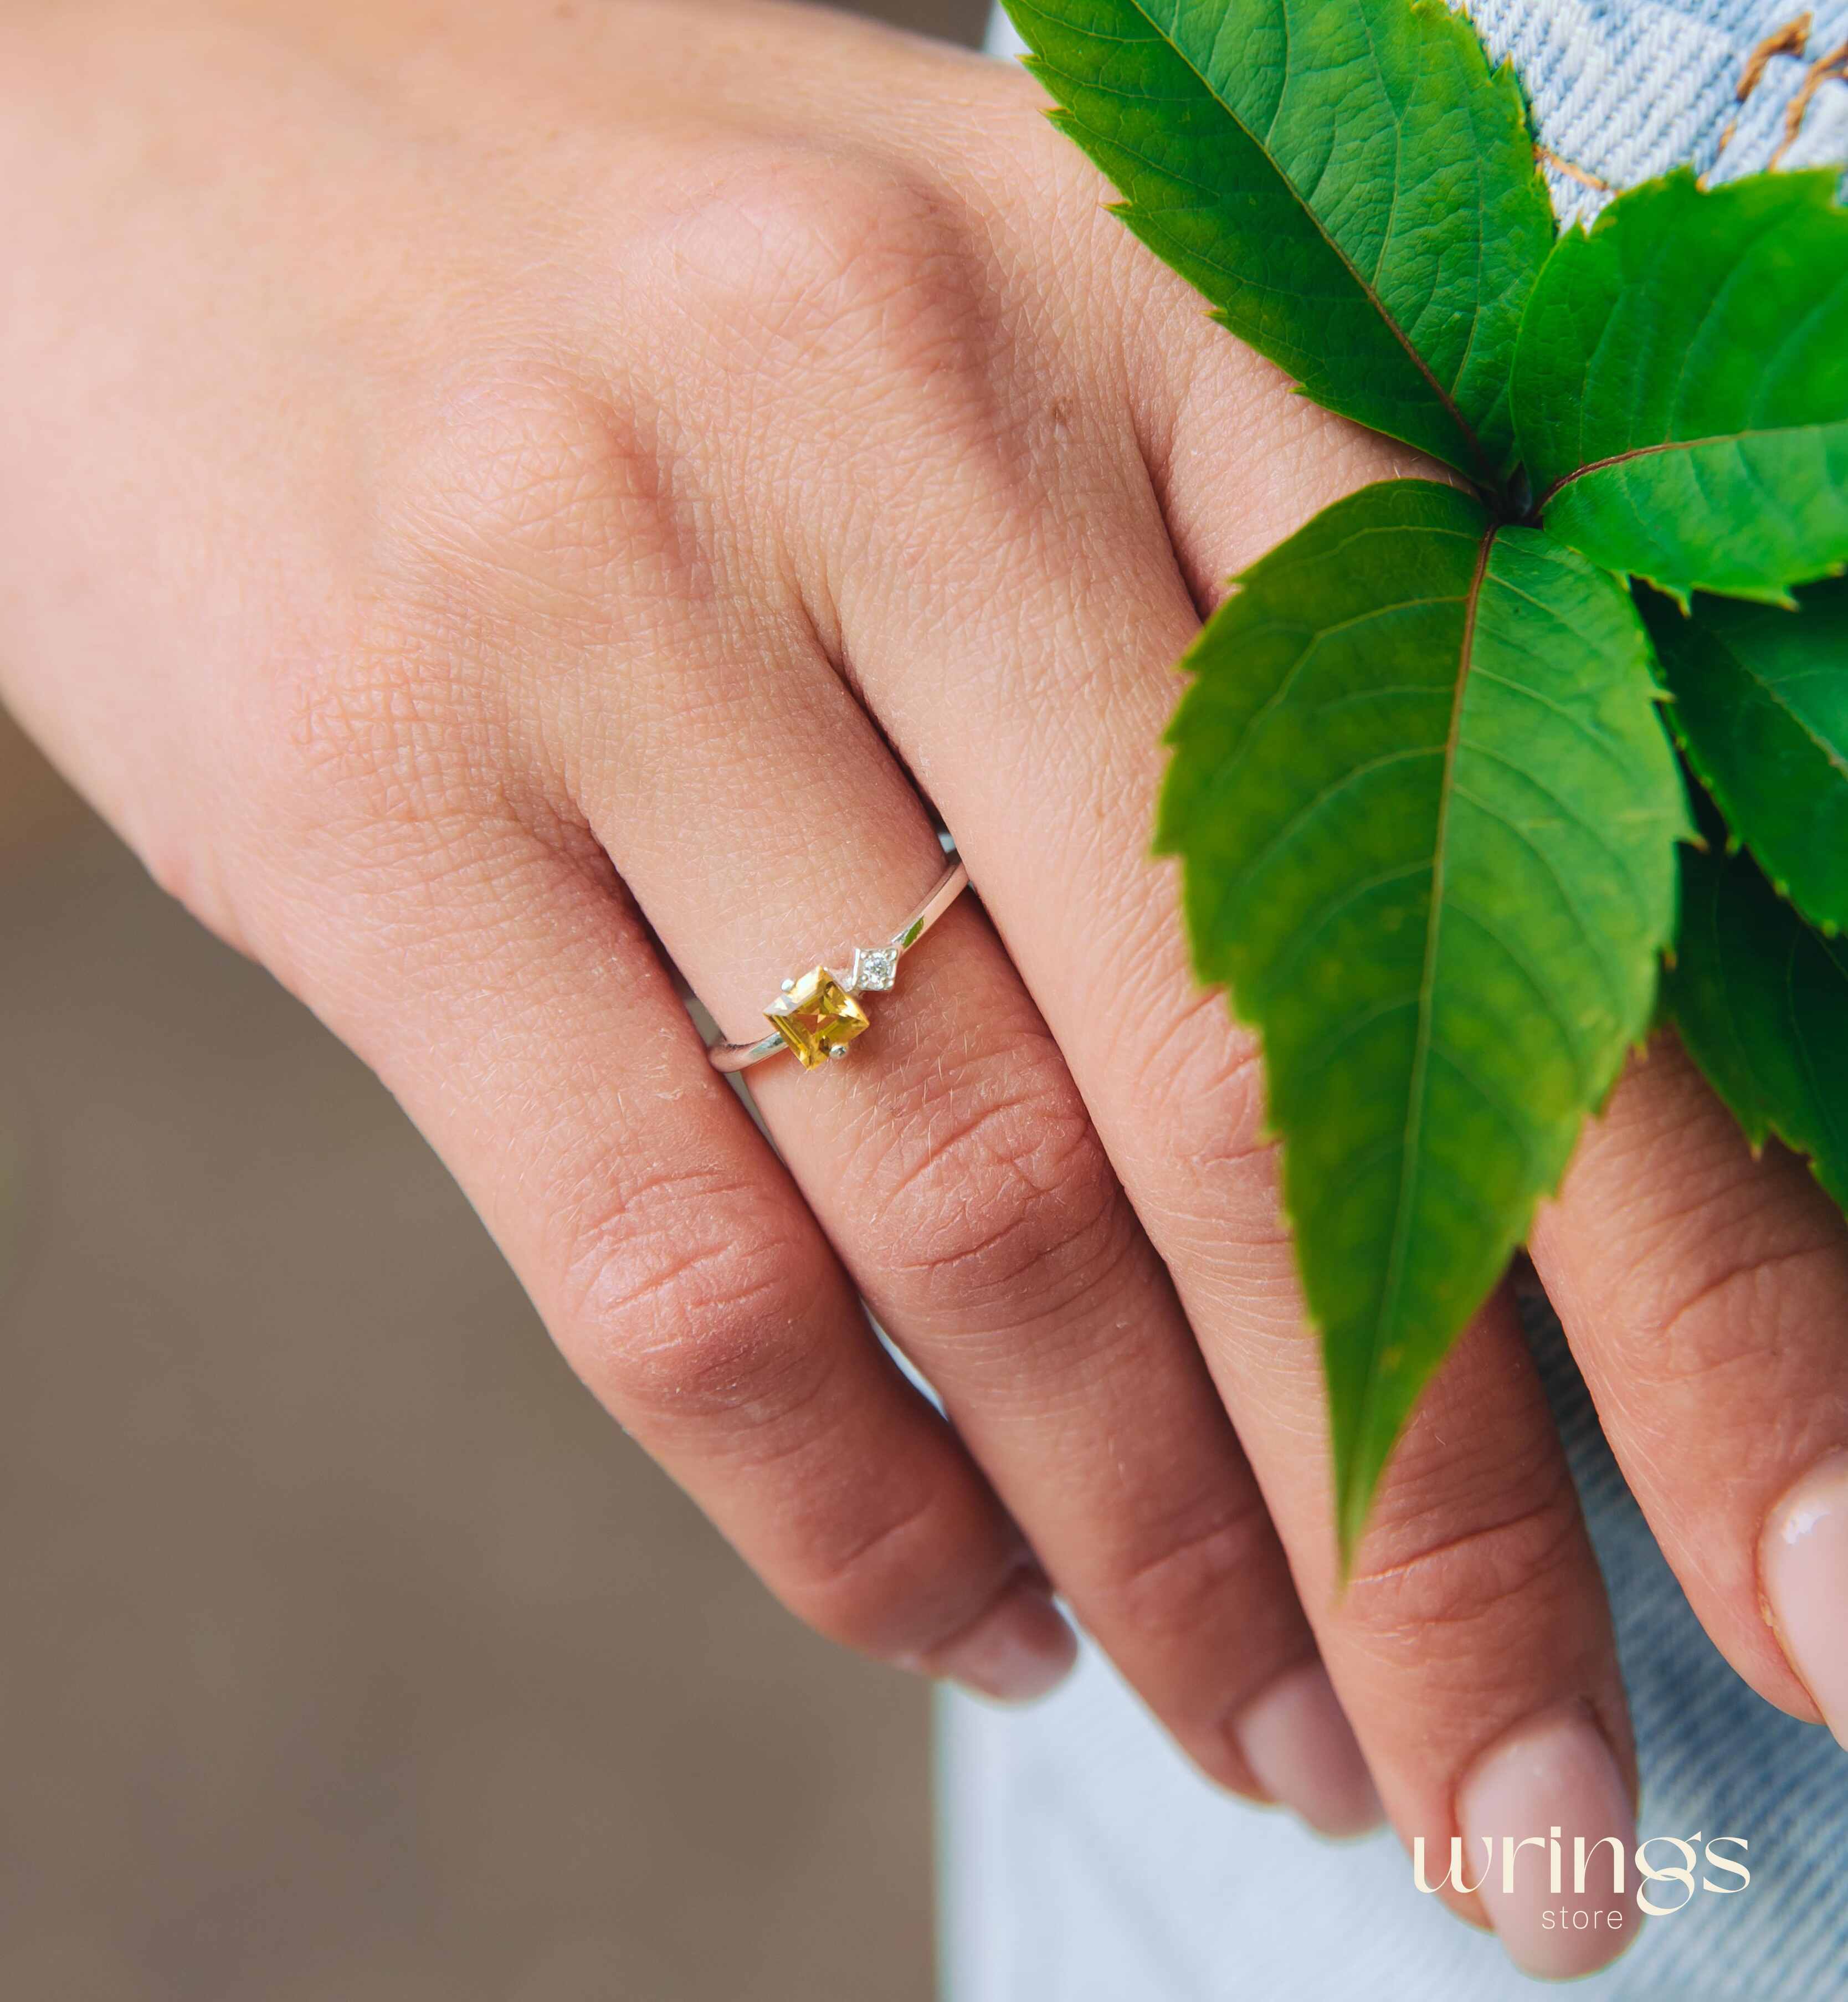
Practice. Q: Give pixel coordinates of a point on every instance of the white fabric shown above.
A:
(1085, 1860)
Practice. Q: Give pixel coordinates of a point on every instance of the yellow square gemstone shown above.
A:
(817, 1016)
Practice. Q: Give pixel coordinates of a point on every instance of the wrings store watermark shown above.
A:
(1698, 1856)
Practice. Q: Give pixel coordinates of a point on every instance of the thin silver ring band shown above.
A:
(875, 969)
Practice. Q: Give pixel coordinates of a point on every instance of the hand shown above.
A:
(493, 498)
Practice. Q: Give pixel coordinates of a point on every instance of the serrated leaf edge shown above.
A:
(1483, 472)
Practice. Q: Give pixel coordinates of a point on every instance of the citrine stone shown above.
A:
(817, 1016)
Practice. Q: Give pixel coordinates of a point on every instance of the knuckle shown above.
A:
(994, 1195)
(1741, 1315)
(1738, 1299)
(689, 1299)
(877, 1577)
(530, 483)
(1203, 1077)
(1173, 1589)
(1488, 1587)
(795, 255)
(417, 716)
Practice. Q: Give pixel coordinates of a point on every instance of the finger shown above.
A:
(1476, 1630)
(951, 1161)
(1704, 1292)
(507, 992)
(543, 481)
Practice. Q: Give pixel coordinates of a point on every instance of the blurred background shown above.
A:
(351, 1654)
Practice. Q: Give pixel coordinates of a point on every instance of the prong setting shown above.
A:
(817, 1016)
(875, 969)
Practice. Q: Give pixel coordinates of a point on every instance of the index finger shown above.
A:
(1704, 1292)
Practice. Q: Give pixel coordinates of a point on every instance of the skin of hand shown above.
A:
(497, 502)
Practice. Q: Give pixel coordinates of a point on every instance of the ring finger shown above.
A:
(952, 1162)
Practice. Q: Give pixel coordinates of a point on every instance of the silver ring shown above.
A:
(818, 1014)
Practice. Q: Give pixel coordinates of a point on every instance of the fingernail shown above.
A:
(1019, 1650)
(1803, 1567)
(1297, 1740)
(1555, 1779)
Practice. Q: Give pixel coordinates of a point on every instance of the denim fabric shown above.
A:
(1622, 90)
(1083, 1860)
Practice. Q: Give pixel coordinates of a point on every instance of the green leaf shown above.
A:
(1681, 385)
(1761, 1002)
(1426, 811)
(1761, 708)
(1344, 180)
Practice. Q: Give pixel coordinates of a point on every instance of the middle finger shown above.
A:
(1473, 1651)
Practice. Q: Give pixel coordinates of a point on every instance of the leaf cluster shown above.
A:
(1435, 838)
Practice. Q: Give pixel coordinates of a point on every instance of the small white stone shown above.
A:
(875, 968)
(839, 1050)
(789, 987)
